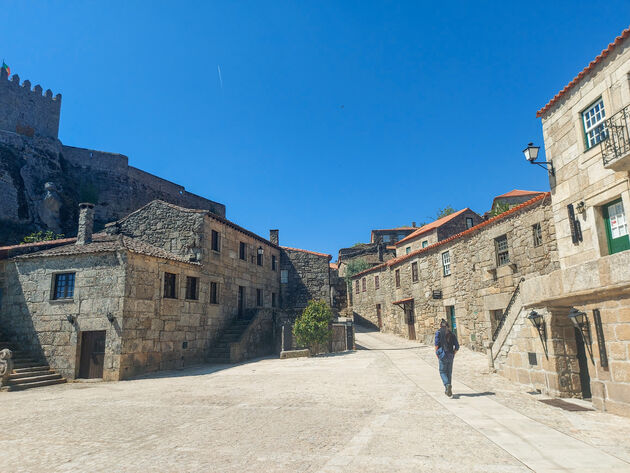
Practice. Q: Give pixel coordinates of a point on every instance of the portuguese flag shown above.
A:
(7, 68)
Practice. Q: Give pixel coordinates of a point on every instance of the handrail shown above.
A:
(507, 310)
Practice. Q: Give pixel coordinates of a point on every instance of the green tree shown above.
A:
(313, 327)
(444, 212)
(40, 236)
(499, 209)
(355, 266)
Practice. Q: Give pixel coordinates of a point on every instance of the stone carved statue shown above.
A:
(6, 365)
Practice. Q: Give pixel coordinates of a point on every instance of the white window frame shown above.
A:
(446, 263)
(593, 119)
(407, 250)
(425, 243)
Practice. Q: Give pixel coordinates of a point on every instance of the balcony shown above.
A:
(616, 146)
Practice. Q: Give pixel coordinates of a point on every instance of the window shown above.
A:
(425, 243)
(356, 286)
(242, 251)
(501, 245)
(446, 263)
(170, 281)
(398, 278)
(537, 232)
(259, 297)
(273, 299)
(259, 256)
(273, 262)
(616, 227)
(64, 286)
(414, 272)
(469, 222)
(215, 240)
(386, 238)
(401, 236)
(192, 288)
(377, 283)
(363, 285)
(284, 276)
(214, 293)
(407, 250)
(594, 126)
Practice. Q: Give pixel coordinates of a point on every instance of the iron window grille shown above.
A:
(537, 232)
(446, 263)
(363, 285)
(414, 272)
(214, 293)
(242, 252)
(170, 281)
(192, 288)
(64, 286)
(377, 283)
(503, 254)
(398, 278)
(594, 121)
(215, 240)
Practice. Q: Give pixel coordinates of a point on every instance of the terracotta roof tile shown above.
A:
(430, 226)
(402, 301)
(306, 251)
(39, 243)
(476, 228)
(103, 243)
(624, 34)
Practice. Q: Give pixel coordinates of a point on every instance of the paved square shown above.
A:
(374, 410)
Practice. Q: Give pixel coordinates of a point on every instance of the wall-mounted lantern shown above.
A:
(538, 322)
(70, 318)
(531, 154)
(580, 322)
(111, 317)
(261, 251)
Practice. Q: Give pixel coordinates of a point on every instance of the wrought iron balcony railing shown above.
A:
(617, 144)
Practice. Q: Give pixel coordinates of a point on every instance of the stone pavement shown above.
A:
(374, 410)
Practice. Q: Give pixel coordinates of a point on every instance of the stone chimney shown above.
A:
(273, 237)
(86, 223)
(413, 224)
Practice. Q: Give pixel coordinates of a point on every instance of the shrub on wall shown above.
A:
(313, 328)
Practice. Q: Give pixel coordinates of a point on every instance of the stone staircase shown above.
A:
(28, 371)
(220, 352)
(503, 337)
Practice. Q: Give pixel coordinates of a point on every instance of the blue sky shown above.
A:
(332, 118)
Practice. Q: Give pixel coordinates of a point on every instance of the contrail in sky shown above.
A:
(220, 78)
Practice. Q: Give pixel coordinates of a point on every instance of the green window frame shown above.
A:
(616, 227)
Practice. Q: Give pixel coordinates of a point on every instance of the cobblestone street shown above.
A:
(381, 408)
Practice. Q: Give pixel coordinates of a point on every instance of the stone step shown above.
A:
(218, 361)
(32, 379)
(37, 384)
(26, 364)
(30, 369)
(28, 374)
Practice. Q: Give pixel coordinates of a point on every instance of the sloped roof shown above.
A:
(516, 193)
(430, 226)
(104, 243)
(307, 251)
(611, 47)
(476, 228)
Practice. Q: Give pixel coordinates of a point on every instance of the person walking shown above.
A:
(446, 345)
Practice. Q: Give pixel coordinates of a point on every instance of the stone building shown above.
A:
(438, 230)
(389, 236)
(161, 288)
(471, 278)
(585, 128)
(42, 180)
(512, 198)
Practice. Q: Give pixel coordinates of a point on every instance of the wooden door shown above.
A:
(379, 320)
(92, 354)
(411, 320)
(616, 227)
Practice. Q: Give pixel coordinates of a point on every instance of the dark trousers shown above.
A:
(446, 371)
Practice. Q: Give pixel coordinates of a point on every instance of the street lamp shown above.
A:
(537, 321)
(580, 321)
(531, 154)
